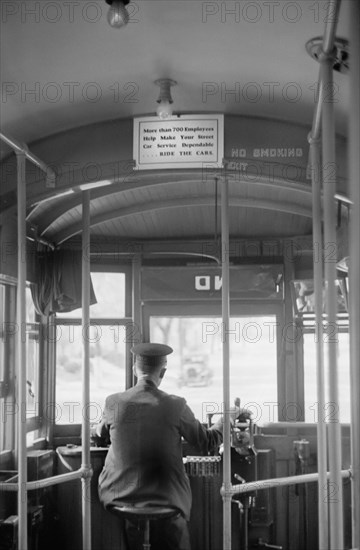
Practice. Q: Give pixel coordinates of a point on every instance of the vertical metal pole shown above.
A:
(330, 26)
(51, 381)
(333, 8)
(21, 348)
(226, 361)
(320, 378)
(354, 271)
(85, 456)
(330, 259)
(136, 332)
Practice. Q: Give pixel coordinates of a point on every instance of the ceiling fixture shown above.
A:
(165, 100)
(117, 15)
(340, 53)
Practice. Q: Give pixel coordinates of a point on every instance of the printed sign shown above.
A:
(188, 141)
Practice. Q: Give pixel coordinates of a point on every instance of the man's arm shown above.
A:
(102, 430)
(208, 439)
(202, 438)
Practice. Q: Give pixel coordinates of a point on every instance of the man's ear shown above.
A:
(162, 372)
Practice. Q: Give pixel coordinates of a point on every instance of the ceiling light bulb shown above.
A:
(164, 109)
(117, 15)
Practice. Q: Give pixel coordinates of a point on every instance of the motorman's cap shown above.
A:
(151, 354)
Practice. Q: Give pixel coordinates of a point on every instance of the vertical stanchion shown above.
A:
(85, 456)
(354, 271)
(320, 378)
(135, 333)
(21, 349)
(50, 392)
(330, 260)
(226, 362)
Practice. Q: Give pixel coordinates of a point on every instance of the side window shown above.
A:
(2, 341)
(32, 359)
(34, 393)
(4, 374)
(107, 337)
(7, 364)
(8, 335)
(311, 402)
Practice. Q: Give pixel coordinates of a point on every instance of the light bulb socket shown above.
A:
(165, 93)
(110, 2)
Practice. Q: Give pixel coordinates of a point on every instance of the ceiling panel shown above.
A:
(63, 67)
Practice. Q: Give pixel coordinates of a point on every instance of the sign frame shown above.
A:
(177, 141)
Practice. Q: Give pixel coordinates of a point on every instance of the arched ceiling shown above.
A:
(64, 67)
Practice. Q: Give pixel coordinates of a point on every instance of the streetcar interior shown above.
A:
(73, 92)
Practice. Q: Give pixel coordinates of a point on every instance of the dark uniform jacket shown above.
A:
(144, 462)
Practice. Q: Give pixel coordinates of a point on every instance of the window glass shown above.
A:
(7, 349)
(311, 401)
(31, 436)
(32, 358)
(107, 352)
(32, 372)
(30, 308)
(7, 339)
(195, 368)
(2, 333)
(107, 369)
(109, 289)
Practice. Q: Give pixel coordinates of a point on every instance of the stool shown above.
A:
(144, 514)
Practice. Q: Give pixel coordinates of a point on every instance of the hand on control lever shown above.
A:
(238, 413)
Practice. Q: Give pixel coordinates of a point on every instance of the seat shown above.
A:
(144, 514)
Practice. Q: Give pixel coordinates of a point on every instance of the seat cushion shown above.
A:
(131, 511)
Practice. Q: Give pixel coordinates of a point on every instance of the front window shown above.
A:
(195, 368)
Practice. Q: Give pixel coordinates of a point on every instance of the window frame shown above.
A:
(307, 324)
(127, 321)
(8, 384)
(35, 329)
(213, 309)
(7, 395)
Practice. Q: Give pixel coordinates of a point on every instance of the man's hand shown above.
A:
(239, 413)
